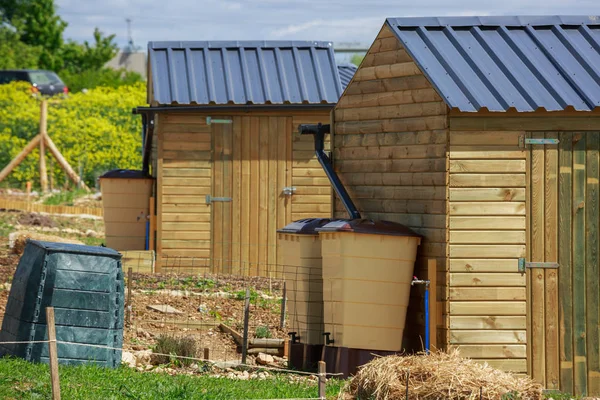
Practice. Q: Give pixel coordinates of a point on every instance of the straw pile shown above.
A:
(438, 375)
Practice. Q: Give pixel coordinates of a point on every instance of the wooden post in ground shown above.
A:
(20, 157)
(246, 321)
(206, 354)
(283, 301)
(129, 284)
(152, 224)
(322, 380)
(64, 164)
(43, 133)
(28, 190)
(53, 353)
(433, 309)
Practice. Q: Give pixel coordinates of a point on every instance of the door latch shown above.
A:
(210, 199)
(525, 141)
(289, 190)
(523, 265)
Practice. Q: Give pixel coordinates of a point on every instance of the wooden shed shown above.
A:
(483, 134)
(222, 143)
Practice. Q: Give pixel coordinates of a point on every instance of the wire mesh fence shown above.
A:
(221, 309)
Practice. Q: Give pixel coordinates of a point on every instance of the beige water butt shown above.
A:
(126, 201)
(300, 249)
(367, 270)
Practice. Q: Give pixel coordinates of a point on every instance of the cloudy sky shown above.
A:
(334, 20)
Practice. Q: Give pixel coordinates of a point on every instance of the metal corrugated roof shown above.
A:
(499, 63)
(346, 71)
(243, 72)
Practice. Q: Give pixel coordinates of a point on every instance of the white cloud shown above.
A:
(335, 20)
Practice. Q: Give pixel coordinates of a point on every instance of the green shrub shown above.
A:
(106, 77)
(262, 332)
(95, 131)
(175, 346)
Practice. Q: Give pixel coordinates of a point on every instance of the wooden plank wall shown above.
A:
(313, 190)
(390, 151)
(184, 172)
(487, 235)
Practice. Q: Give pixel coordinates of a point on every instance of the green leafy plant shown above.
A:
(241, 295)
(262, 332)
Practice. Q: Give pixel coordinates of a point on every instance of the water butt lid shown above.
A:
(307, 226)
(125, 174)
(368, 226)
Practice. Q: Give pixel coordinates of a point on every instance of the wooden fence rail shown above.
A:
(36, 207)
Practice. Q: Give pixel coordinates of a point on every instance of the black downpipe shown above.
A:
(148, 133)
(319, 131)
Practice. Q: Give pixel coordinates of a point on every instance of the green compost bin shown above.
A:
(85, 286)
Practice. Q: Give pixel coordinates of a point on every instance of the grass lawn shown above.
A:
(22, 380)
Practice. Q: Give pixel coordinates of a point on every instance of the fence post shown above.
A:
(129, 284)
(283, 302)
(322, 380)
(53, 353)
(246, 321)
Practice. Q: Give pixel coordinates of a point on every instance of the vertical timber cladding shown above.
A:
(183, 180)
(250, 167)
(390, 151)
(487, 236)
(254, 159)
(564, 312)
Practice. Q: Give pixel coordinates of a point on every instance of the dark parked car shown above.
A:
(44, 82)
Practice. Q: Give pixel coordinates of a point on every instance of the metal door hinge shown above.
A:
(525, 141)
(210, 121)
(523, 265)
(289, 190)
(210, 199)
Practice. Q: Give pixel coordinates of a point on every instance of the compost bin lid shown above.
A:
(368, 226)
(75, 248)
(305, 226)
(125, 174)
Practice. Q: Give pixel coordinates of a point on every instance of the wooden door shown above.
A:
(564, 215)
(251, 166)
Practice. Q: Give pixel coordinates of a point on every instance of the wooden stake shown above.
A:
(51, 175)
(283, 301)
(63, 163)
(433, 309)
(322, 380)
(152, 224)
(43, 134)
(129, 284)
(28, 189)
(20, 157)
(53, 352)
(246, 320)
(206, 353)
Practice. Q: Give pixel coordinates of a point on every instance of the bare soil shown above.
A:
(35, 219)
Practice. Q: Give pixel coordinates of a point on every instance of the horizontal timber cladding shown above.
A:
(390, 144)
(312, 197)
(487, 234)
(184, 171)
(250, 160)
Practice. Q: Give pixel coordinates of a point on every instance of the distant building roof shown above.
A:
(499, 63)
(346, 71)
(243, 72)
(136, 62)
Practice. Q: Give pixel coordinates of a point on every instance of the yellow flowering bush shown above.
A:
(95, 130)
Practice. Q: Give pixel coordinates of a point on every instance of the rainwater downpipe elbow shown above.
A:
(319, 131)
